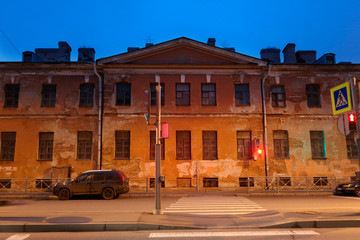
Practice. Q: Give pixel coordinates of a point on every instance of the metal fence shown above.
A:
(243, 185)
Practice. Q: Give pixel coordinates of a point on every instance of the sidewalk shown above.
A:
(25, 213)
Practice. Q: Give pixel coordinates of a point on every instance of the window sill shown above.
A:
(122, 159)
(320, 158)
(184, 159)
(44, 160)
(8, 160)
(86, 106)
(78, 159)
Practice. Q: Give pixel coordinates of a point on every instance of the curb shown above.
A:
(95, 227)
(316, 224)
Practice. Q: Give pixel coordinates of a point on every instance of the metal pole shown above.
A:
(158, 149)
(355, 92)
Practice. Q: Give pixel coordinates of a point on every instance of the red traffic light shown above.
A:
(352, 117)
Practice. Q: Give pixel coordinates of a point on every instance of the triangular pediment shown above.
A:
(182, 51)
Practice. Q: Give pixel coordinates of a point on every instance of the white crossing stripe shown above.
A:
(18, 237)
(214, 205)
(234, 234)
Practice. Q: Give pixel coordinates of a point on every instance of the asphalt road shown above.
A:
(227, 234)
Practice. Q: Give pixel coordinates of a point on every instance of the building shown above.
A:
(58, 119)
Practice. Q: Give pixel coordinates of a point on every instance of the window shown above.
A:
(317, 144)
(351, 146)
(182, 94)
(320, 181)
(122, 144)
(48, 95)
(210, 182)
(86, 95)
(46, 146)
(152, 146)
(208, 94)
(183, 182)
(209, 145)
(153, 93)
(5, 184)
(84, 145)
(281, 144)
(246, 182)
(152, 183)
(8, 145)
(123, 94)
(285, 181)
(244, 150)
(313, 95)
(11, 95)
(242, 95)
(278, 96)
(183, 145)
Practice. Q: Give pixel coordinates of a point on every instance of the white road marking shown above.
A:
(18, 237)
(233, 234)
(215, 205)
(352, 198)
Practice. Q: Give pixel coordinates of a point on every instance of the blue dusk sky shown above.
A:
(327, 26)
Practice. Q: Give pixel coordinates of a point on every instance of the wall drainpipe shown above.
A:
(265, 121)
(100, 109)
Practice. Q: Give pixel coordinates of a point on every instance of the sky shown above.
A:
(110, 27)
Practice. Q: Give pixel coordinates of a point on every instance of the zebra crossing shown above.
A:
(213, 205)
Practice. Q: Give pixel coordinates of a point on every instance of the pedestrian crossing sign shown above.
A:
(341, 98)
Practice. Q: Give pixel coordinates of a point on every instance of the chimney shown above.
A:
(131, 49)
(86, 55)
(211, 41)
(307, 57)
(270, 54)
(289, 53)
(149, 45)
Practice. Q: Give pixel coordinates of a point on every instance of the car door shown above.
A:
(81, 185)
(97, 183)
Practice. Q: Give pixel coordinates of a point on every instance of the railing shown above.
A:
(242, 185)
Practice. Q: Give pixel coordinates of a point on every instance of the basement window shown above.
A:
(320, 181)
(246, 181)
(285, 181)
(152, 183)
(5, 184)
(210, 182)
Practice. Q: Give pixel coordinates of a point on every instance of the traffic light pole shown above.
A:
(355, 93)
(158, 151)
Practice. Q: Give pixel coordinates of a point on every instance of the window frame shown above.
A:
(87, 93)
(351, 147)
(8, 146)
(240, 99)
(183, 100)
(153, 94)
(48, 95)
(243, 140)
(124, 143)
(123, 94)
(318, 143)
(210, 100)
(47, 144)
(11, 96)
(182, 146)
(313, 98)
(208, 145)
(275, 99)
(84, 145)
(283, 144)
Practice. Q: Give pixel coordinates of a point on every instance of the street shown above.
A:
(226, 234)
(197, 217)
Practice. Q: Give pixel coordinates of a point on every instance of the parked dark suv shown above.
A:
(107, 183)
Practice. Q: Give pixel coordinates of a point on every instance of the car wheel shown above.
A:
(64, 194)
(108, 193)
(357, 192)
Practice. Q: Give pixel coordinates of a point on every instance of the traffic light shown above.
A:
(258, 151)
(352, 121)
(148, 105)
